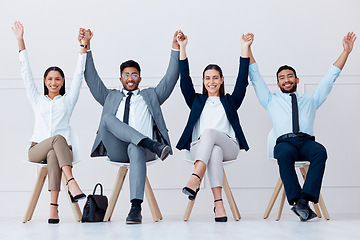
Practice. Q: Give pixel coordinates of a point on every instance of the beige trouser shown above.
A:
(57, 153)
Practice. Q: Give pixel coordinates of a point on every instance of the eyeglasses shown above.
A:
(134, 76)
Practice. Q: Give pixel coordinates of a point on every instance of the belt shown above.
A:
(292, 135)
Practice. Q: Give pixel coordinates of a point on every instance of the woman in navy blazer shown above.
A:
(213, 133)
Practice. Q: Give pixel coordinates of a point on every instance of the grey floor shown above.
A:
(340, 226)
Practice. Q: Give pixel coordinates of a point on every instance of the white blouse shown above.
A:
(52, 117)
(213, 116)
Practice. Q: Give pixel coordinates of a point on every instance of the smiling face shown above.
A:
(287, 81)
(130, 78)
(53, 82)
(212, 82)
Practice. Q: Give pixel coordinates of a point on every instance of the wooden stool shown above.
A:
(41, 179)
(303, 166)
(36, 193)
(154, 207)
(229, 196)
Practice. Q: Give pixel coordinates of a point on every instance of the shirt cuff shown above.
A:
(177, 50)
(334, 70)
(253, 67)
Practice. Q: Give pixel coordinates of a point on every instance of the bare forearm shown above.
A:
(340, 62)
(86, 43)
(183, 55)
(252, 59)
(21, 44)
(245, 51)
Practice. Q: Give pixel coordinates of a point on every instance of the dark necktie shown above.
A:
(295, 113)
(127, 108)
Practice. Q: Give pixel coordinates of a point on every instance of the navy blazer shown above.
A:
(196, 103)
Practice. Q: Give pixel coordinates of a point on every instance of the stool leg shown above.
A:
(281, 203)
(119, 181)
(230, 198)
(74, 206)
(323, 208)
(188, 210)
(35, 194)
(154, 207)
(275, 194)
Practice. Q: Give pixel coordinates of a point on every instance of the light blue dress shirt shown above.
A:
(279, 107)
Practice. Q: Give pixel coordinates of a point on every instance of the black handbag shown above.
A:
(95, 207)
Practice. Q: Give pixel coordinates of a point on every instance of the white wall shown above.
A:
(304, 34)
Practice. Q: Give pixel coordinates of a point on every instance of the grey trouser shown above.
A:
(57, 153)
(120, 141)
(213, 148)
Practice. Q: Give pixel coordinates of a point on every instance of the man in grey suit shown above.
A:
(132, 128)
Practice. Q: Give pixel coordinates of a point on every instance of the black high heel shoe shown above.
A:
(190, 192)
(54, 220)
(219, 219)
(76, 198)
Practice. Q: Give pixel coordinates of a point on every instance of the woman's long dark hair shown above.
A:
(54, 68)
(217, 68)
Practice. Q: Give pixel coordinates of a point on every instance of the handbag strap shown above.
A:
(101, 188)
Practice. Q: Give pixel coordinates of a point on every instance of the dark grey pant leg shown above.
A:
(137, 156)
(121, 130)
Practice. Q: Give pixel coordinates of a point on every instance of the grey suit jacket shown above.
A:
(110, 99)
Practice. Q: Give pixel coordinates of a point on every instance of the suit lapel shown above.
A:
(116, 102)
(147, 101)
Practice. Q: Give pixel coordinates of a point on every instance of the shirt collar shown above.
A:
(296, 93)
(135, 92)
(56, 97)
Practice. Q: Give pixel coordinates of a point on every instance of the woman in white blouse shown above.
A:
(213, 133)
(50, 141)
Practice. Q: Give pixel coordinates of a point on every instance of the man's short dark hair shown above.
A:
(285, 67)
(129, 63)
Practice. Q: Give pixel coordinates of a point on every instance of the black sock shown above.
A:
(136, 202)
(306, 196)
(147, 143)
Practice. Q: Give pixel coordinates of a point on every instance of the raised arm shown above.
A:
(348, 44)
(92, 79)
(31, 91)
(76, 83)
(186, 85)
(242, 78)
(18, 30)
(326, 84)
(262, 91)
(168, 82)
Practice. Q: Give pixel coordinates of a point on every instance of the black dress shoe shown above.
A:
(301, 208)
(76, 198)
(312, 214)
(54, 220)
(161, 150)
(191, 193)
(219, 219)
(134, 216)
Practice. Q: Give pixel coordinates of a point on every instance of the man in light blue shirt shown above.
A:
(293, 122)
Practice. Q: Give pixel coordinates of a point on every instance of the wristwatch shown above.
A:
(84, 46)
